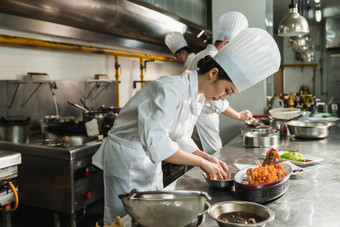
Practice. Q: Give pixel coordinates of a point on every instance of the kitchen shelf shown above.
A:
(314, 65)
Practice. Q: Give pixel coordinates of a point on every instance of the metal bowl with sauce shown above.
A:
(220, 212)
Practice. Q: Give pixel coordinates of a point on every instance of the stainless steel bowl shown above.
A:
(200, 217)
(164, 208)
(261, 193)
(221, 184)
(309, 130)
(233, 206)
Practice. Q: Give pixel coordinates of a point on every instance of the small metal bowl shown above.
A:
(233, 206)
(221, 184)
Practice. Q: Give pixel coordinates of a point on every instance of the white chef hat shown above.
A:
(249, 58)
(230, 24)
(175, 41)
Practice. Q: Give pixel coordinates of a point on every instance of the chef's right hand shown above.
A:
(213, 170)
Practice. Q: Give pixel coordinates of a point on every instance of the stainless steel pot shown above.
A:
(105, 116)
(309, 130)
(16, 131)
(261, 139)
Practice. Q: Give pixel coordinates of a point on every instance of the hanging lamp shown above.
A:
(293, 24)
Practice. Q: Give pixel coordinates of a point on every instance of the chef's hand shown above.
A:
(245, 115)
(217, 161)
(214, 171)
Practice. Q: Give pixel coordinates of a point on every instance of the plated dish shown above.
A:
(307, 160)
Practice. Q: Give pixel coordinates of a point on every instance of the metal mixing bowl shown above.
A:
(164, 208)
(221, 184)
(200, 217)
(233, 206)
(309, 130)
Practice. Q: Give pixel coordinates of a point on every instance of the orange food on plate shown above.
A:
(268, 172)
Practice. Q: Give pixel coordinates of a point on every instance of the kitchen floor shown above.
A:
(31, 216)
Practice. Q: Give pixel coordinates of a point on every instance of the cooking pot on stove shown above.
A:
(104, 115)
(71, 133)
(16, 131)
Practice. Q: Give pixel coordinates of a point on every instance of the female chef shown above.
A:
(157, 123)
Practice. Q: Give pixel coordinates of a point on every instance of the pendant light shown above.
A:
(301, 41)
(293, 24)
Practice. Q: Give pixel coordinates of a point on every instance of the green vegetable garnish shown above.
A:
(293, 155)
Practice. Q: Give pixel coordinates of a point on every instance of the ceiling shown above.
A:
(329, 8)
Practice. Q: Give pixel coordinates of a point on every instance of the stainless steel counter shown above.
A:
(313, 197)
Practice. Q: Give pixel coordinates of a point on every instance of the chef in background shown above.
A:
(207, 132)
(179, 48)
(157, 123)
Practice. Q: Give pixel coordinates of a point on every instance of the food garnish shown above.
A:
(268, 172)
(294, 155)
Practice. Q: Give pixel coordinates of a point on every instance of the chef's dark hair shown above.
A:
(186, 48)
(207, 63)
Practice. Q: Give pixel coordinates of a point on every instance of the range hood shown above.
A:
(120, 22)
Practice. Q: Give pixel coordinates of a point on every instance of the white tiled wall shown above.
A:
(16, 61)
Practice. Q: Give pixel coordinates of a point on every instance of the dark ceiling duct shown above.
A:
(120, 19)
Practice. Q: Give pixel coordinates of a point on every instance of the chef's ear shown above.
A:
(213, 73)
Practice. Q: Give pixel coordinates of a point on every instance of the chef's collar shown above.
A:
(197, 100)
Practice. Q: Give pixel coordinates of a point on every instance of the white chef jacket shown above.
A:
(189, 60)
(150, 127)
(207, 130)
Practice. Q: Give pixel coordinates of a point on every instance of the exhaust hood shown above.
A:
(121, 22)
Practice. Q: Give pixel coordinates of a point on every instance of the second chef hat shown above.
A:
(230, 24)
(249, 58)
(175, 41)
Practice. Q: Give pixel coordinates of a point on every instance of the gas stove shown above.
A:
(59, 179)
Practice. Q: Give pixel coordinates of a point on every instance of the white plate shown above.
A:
(314, 160)
(296, 170)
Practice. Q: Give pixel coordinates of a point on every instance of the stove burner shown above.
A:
(52, 143)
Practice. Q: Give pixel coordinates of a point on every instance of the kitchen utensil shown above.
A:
(216, 210)
(309, 130)
(221, 184)
(285, 113)
(201, 216)
(253, 122)
(164, 208)
(16, 131)
(261, 139)
(78, 106)
(261, 193)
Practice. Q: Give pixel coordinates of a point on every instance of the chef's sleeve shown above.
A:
(219, 106)
(155, 117)
(187, 144)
